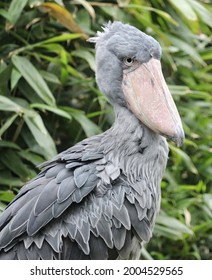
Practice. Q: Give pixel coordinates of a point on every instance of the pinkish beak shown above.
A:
(149, 98)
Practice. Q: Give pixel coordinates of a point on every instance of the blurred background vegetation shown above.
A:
(49, 101)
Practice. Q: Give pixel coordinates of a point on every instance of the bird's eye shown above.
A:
(128, 61)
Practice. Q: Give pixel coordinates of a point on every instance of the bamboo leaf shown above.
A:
(34, 79)
(7, 104)
(50, 77)
(15, 10)
(15, 77)
(63, 16)
(186, 159)
(88, 7)
(84, 54)
(7, 124)
(173, 224)
(59, 38)
(31, 157)
(6, 196)
(161, 13)
(9, 180)
(186, 48)
(185, 8)
(54, 110)
(88, 126)
(8, 144)
(12, 161)
(205, 14)
(41, 135)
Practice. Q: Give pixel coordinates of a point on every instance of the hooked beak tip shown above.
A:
(179, 138)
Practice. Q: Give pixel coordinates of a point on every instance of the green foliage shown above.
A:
(49, 101)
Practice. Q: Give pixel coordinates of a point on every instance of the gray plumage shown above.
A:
(98, 199)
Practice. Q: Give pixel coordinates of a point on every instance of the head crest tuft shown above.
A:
(99, 34)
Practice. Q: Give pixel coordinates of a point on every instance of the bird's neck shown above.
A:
(131, 145)
(128, 128)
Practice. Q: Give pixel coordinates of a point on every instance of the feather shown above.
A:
(92, 156)
(66, 188)
(17, 225)
(119, 236)
(81, 175)
(93, 217)
(85, 231)
(148, 198)
(37, 239)
(46, 198)
(11, 255)
(126, 249)
(35, 223)
(90, 184)
(28, 241)
(142, 212)
(104, 230)
(122, 216)
(21, 252)
(71, 156)
(5, 217)
(63, 174)
(139, 186)
(73, 164)
(44, 253)
(72, 230)
(98, 248)
(84, 246)
(141, 200)
(75, 252)
(141, 227)
(53, 171)
(54, 241)
(59, 208)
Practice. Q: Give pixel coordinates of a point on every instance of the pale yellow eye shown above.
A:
(128, 61)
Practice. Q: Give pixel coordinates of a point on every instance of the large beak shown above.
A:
(149, 98)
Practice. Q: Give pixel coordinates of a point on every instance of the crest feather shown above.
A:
(99, 34)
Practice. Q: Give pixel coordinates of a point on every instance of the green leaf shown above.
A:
(5, 14)
(208, 200)
(13, 162)
(185, 158)
(9, 144)
(34, 79)
(173, 224)
(60, 38)
(15, 77)
(186, 48)
(31, 157)
(161, 13)
(54, 110)
(15, 9)
(7, 124)
(204, 13)
(185, 8)
(88, 126)
(6, 196)
(50, 77)
(88, 7)
(8, 105)
(84, 54)
(9, 180)
(41, 135)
